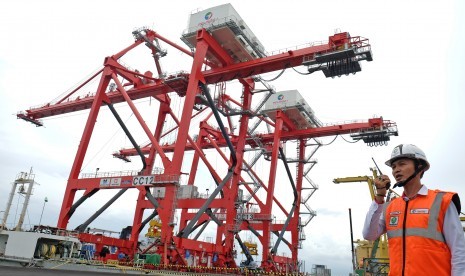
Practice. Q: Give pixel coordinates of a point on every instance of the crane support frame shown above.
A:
(226, 205)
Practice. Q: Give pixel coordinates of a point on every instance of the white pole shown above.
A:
(43, 207)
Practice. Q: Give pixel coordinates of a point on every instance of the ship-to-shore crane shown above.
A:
(221, 51)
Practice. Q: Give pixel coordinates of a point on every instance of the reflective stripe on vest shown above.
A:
(431, 231)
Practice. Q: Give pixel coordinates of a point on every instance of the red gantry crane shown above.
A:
(241, 128)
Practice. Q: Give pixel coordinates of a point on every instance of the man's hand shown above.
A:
(382, 184)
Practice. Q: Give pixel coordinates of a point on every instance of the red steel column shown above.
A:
(294, 225)
(138, 215)
(164, 109)
(231, 211)
(192, 174)
(70, 191)
(192, 91)
(181, 142)
(270, 193)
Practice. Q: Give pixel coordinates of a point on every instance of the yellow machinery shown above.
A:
(154, 230)
(371, 256)
(252, 247)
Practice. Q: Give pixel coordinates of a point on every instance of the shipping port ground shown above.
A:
(36, 271)
(26, 271)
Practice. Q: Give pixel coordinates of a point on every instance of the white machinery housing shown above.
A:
(294, 106)
(228, 28)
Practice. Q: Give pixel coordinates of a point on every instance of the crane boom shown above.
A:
(331, 58)
(351, 179)
(373, 127)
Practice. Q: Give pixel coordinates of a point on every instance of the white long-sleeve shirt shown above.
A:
(375, 226)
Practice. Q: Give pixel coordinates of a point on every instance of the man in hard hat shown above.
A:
(425, 235)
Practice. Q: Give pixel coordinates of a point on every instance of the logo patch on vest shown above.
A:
(393, 221)
(419, 211)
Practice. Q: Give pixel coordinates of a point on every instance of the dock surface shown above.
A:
(26, 271)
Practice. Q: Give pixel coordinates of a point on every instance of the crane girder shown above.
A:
(374, 125)
(143, 85)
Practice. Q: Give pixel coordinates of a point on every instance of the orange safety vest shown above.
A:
(415, 232)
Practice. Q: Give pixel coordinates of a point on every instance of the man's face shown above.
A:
(402, 168)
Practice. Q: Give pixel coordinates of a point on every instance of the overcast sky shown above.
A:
(415, 80)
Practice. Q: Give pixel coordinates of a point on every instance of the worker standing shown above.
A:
(425, 235)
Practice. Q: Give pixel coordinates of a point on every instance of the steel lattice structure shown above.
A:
(228, 206)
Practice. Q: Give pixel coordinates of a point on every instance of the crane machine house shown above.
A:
(294, 106)
(228, 28)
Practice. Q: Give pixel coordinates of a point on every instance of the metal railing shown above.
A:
(98, 174)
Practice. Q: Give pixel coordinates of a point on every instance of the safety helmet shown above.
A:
(408, 151)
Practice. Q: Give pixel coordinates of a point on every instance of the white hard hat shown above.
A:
(408, 151)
